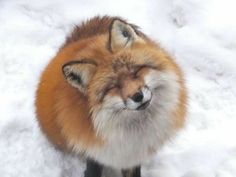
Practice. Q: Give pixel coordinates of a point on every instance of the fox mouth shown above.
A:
(144, 105)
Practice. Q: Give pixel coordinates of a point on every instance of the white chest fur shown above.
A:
(129, 146)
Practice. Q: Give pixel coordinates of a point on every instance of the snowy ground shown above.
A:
(201, 34)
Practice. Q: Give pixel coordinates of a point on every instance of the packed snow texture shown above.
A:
(199, 34)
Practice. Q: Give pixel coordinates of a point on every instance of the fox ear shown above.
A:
(79, 73)
(122, 35)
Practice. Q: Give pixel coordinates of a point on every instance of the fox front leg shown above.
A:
(93, 169)
(135, 172)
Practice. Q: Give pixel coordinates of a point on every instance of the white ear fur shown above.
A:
(79, 73)
(122, 35)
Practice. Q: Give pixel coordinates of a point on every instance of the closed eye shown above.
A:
(140, 69)
(107, 90)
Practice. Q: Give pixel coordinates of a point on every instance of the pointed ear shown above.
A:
(79, 73)
(122, 35)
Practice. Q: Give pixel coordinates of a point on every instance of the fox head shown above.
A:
(125, 77)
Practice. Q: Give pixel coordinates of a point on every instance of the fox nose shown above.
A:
(140, 100)
(137, 97)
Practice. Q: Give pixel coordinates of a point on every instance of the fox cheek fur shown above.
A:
(112, 94)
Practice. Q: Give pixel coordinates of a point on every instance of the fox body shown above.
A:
(112, 94)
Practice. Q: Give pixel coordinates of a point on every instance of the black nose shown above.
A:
(137, 97)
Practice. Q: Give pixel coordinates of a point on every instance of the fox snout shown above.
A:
(139, 100)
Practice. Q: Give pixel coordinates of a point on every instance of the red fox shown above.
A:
(112, 94)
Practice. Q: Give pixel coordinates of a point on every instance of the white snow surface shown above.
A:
(199, 34)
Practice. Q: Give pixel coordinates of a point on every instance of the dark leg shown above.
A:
(135, 172)
(93, 169)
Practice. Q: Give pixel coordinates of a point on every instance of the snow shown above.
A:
(200, 34)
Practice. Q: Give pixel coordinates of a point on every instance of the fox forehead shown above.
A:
(126, 63)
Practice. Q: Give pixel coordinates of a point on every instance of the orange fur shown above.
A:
(63, 111)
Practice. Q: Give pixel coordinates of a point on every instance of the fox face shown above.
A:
(132, 81)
